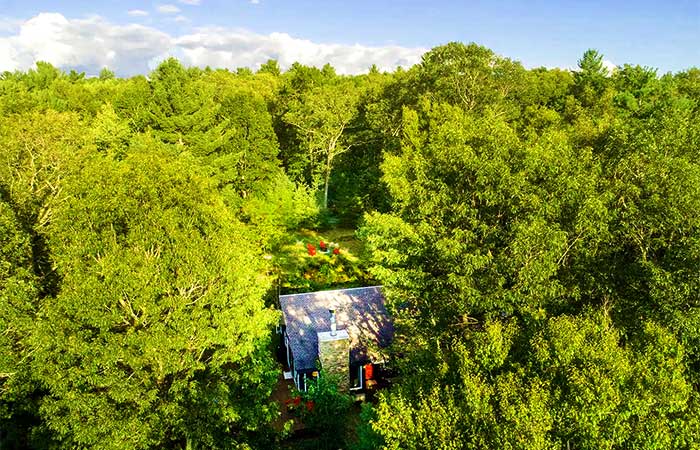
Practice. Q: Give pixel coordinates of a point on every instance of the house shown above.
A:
(341, 331)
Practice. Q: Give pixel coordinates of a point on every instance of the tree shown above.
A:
(158, 334)
(219, 117)
(111, 134)
(296, 81)
(636, 87)
(181, 110)
(270, 66)
(106, 74)
(591, 64)
(326, 412)
(482, 224)
(571, 384)
(356, 185)
(247, 159)
(471, 76)
(42, 76)
(655, 250)
(19, 302)
(688, 84)
(37, 148)
(494, 237)
(322, 117)
(591, 80)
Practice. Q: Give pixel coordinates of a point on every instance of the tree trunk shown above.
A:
(329, 161)
(325, 188)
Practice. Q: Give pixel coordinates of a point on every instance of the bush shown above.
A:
(367, 438)
(326, 411)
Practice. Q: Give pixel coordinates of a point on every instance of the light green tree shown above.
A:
(493, 238)
(158, 334)
(471, 76)
(572, 384)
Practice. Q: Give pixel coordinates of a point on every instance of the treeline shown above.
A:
(537, 232)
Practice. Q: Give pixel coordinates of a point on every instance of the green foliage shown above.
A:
(502, 234)
(591, 64)
(35, 146)
(321, 116)
(591, 78)
(471, 76)
(271, 67)
(19, 302)
(111, 134)
(367, 438)
(159, 330)
(327, 412)
(482, 222)
(106, 74)
(536, 232)
(573, 383)
(18, 294)
(280, 207)
(42, 76)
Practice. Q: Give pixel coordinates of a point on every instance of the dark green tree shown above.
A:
(322, 117)
(591, 78)
(19, 302)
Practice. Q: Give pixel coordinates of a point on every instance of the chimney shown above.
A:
(334, 353)
(333, 322)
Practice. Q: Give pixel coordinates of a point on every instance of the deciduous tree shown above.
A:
(158, 334)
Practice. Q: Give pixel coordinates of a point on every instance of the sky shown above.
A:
(132, 37)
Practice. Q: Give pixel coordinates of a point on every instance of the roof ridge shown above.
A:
(333, 290)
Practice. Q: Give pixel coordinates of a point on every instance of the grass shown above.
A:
(300, 272)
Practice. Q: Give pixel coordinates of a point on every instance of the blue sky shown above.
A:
(665, 35)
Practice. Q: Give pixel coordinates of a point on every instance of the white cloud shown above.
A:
(137, 12)
(83, 44)
(90, 44)
(168, 9)
(221, 47)
(191, 2)
(255, 2)
(609, 66)
(181, 19)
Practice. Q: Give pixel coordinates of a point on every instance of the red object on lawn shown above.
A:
(310, 405)
(322, 245)
(336, 251)
(311, 249)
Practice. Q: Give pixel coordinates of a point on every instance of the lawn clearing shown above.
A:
(300, 271)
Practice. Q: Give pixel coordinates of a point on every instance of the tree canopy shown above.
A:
(536, 232)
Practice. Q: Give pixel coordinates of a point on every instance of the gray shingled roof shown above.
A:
(360, 311)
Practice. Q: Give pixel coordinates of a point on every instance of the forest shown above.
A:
(536, 231)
